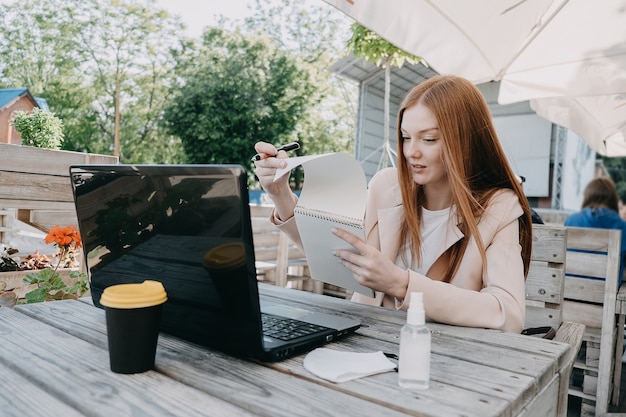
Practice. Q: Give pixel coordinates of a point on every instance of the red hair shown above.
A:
(475, 161)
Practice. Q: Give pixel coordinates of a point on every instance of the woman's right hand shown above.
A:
(279, 190)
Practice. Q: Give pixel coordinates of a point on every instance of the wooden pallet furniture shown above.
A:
(552, 216)
(592, 268)
(35, 187)
(36, 183)
(545, 296)
(278, 259)
(621, 324)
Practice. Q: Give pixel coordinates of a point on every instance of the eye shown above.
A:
(405, 138)
(429, 139)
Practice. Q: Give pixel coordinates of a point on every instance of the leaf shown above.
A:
(36, 296)
(373, 48)
(60, 295)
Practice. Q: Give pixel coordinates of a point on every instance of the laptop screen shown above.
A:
(187, 226)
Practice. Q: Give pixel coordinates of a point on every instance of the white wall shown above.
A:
(578, 169)
(526, 141)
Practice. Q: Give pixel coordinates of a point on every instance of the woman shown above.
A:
(600, 209)
(451, 221)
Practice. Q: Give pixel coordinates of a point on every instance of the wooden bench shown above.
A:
(552, 216)
(35, 184)
(278, 259)
(545, 296)
(592, 269)
(35, 189)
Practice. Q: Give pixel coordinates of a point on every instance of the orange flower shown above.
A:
(63, 237)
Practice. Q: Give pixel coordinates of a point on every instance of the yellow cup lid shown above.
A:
(226, 256)
(147, 294)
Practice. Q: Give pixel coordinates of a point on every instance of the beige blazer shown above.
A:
(491, 298)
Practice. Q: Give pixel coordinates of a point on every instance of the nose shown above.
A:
(412, 148)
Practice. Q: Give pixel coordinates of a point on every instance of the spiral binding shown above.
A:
(332, 217)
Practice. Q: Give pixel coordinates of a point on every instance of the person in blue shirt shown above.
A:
(600, 209)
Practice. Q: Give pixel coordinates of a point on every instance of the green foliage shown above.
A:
(39, 128)
(313, 30)
(373, 48)
(316, 33)
(616, 167)
(235, 91)
(75, 53)
(51, 287)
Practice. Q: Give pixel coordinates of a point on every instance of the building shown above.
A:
(555, 162)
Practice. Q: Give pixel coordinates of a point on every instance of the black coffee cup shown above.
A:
(133, 317)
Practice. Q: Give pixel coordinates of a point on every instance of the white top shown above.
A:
(434, 227)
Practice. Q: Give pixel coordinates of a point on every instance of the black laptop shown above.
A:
(189, 227)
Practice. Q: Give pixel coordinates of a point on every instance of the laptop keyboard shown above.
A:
(284, 328)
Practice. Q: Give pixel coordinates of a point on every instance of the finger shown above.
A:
(351, 238)
(265, 148)
(348, 259)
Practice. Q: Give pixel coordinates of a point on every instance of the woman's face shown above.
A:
(422, 146)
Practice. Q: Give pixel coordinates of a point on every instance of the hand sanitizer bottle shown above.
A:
(414, 363)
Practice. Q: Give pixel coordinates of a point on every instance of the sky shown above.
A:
(197, 14)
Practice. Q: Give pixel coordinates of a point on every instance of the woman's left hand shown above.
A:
(370, 267)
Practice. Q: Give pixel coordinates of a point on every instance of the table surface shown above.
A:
(54, 362)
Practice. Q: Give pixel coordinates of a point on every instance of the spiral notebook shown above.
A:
(334, 195)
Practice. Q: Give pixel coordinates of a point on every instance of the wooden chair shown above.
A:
(592, 268)
(545, 296)
(278, 260)
(551, 216)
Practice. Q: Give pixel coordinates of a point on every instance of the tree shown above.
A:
(373, 48)
(316, 32)
(313, 30)
(105, 68)
(128, 44)
(235, 91)
(46, 59)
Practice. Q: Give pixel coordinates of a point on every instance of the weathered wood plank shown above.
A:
(382, 323)
(455, 381)
(47, 219)
(544, 283)
(22, 158)
(542, 405)
(38, 179)
(592, 301)
(42, 352)
(548, 244)
(474, 372)
(19, 397)
(183, 362)
(26, 186)
(584, 289)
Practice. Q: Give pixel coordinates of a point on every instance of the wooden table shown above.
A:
(54, 362)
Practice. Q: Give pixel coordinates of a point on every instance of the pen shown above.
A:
(288, 147)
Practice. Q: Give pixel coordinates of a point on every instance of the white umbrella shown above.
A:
(600, 120)
(537, 49)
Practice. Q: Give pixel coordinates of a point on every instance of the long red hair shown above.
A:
(476, 164)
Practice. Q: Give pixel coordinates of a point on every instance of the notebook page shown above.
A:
(334, 195)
